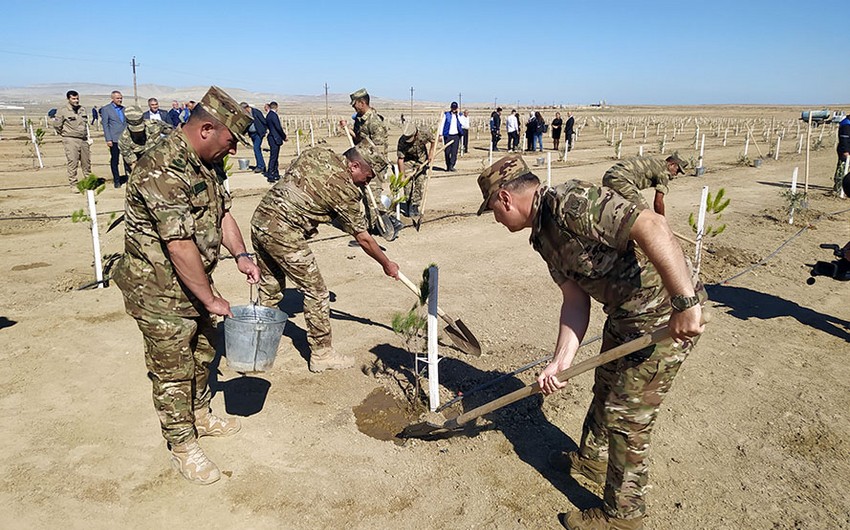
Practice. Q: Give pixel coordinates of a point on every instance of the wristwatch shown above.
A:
(682, 303)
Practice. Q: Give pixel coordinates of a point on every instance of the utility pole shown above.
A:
(411, 102)
(135, 90)
(327, 112)
(460, 101)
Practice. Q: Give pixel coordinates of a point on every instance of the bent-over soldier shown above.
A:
(627, 177)
(140, 134)
(599, 245)
(414, 152)
(318, 187)
(177, 215)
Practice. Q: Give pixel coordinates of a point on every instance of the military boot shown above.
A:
(208, 424)
(328, 359)
(596, 519)
(571, 462)
(190, 460)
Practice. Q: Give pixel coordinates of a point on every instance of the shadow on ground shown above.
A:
(522, 423)
(746, 303)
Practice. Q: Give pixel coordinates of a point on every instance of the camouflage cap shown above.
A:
(358, 95)
(679, 162)
(501, 172)
(409, 131)
(225, 109)
(133, 115)
(371, 156)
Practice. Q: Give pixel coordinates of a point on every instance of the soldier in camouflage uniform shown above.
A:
(318, 187)
(140, 135)
(631, 175)
(599, 245)
(177, 219)
(369, 127)
(71, 123)
(415, 149)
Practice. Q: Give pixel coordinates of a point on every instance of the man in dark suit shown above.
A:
(174, 114)
(569, 130)
(154, 112)
(257, 130)
(276, 139)
(112, 119)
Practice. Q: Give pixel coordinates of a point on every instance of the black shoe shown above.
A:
(413, 211)
(116, 184)
(453, 169)
(259, 170)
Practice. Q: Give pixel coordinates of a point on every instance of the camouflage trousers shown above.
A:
(76, 154)
(286, 254)
(178, 352)
(840, 171)
(627, 395)
(377, 187)
(624, 188)
(413, 189)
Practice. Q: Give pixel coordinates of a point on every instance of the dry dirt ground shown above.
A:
(753, 436)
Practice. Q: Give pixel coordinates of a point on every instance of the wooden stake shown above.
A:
(808, 144)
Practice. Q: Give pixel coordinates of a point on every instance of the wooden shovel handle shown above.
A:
(605, 357)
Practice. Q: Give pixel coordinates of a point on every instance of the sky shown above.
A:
(539, 52)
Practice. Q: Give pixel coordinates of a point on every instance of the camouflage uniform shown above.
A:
(371, 125)
(71, 126)
(415, 155)
(131, 151)
(631, 175)
(172, 195)
(842, 148)
(316, 188)
(582, 232)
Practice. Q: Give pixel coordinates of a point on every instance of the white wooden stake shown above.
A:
(95, 239)
(433, 331)
(747, 144)
(298, 141)
(37, 150)
(776, 151)
(549, 169)
(793, 192)
(701, 150)
(640, 150)
(312, 139)
(808, 145)
(664, 143)
(490, 154)
(725, 134)
(703, 205)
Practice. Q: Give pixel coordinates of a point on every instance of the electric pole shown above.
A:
(460, 101)
(135, 90)
(411, 102)
(327, 113)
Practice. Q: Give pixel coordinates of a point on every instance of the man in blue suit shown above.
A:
(257, 130)
(174, 114)
(276, 139)
(112, 119)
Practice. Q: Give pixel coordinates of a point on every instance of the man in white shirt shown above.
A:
(153, 112)
(464, 125)
(512, 126)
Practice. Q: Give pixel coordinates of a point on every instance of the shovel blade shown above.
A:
(463, 338)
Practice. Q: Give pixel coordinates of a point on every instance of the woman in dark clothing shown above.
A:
(530, 131)
(557, 123)
(539, 129)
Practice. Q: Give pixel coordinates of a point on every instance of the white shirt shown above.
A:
(453, 125)
(511, 123)
(157, 116)
(464, 121)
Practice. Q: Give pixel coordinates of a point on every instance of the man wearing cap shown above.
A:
(319, 187)
(414, 152)
(627, 177)
(140, 135)
(257, 130)
(71, 123)
(451, 131)
(599, 245)
(369, 124)
(177, 215)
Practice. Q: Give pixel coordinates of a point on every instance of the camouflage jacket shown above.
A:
(582, 232)
(131, 151)
(371, 125)
(70, 124)
(316, 188)
(639, 172)
(171, 195)
(415, 152)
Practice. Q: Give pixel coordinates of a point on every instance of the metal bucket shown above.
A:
(244, 163)
(539, 161)
(757, 162)
(700, 171)
(252, 336)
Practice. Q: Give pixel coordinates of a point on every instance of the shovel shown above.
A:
(456, 329)
(429, 431)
